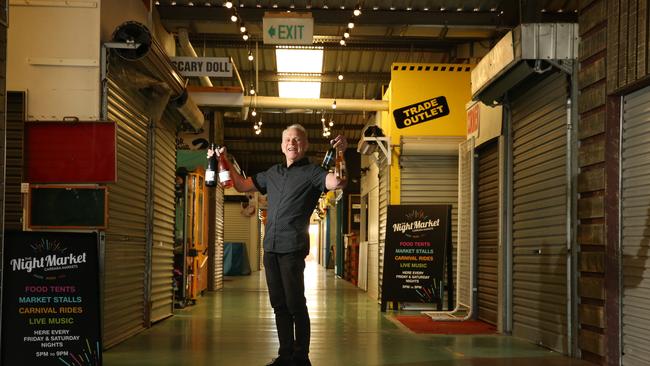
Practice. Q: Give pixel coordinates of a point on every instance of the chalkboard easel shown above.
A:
(417, 252)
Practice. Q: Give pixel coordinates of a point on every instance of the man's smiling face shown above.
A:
(294, 145)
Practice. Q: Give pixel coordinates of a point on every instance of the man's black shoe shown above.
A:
(280, 362)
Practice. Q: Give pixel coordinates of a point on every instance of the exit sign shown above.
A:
(288, 28)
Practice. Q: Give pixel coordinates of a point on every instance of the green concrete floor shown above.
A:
(236, 327)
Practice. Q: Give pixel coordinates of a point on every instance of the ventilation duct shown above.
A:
(151, 58)
(525, 50)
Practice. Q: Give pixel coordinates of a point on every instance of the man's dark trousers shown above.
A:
(285, 280)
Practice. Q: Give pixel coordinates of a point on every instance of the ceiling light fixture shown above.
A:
(340, 77)
(250, 56)
(228, 4)
(252, 91)
(245, 36)
(346, 34)
(342, 42)
(334, 104)
(242, 28)
(356, 12)
(331, 123)
(350, 25)
(208, 4)
(254, 113)
(191, 3)
(157, 2)
(233, 18)
(173, 3)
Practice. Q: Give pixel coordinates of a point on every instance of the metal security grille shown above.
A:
(635, 232)
(216, 253)
(384, 201)
(539, 221)
(162, 249)
(488, 232)
(432, 179)
(124, 269)
(14, 160)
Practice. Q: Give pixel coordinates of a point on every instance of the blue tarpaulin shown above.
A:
(235, 260)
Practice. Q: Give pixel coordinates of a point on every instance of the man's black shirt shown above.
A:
(292, 196)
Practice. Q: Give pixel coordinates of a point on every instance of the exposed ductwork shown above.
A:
(188, 50)
(233, 98)
(150, 57)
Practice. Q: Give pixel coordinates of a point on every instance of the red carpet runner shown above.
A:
(423, 324)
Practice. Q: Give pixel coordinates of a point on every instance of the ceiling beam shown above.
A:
(327, 77)
(278, 125)
(336, 16)
(395, 43)
(278, 140)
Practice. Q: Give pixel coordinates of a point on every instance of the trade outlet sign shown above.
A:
(420, 112)
(288, 28)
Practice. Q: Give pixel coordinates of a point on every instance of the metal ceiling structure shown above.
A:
(387, 31)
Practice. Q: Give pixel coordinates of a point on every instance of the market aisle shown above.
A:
(236, 327)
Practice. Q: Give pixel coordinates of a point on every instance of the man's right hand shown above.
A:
(222, 150)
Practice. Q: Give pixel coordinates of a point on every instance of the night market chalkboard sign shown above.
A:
(50, 307)
(420, 112)
(414, 258)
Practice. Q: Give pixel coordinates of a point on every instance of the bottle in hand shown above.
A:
(329, 158)
(211, 170)
(339, 169)
(224, 170)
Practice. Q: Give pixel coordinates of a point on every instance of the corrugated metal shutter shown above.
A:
(164, 203)
(539, 213)
(384, 201)
(635, 209)
(14, 160)
(124, 262)
(238, 228)
(432, 180)
(488, 232)
(215, 255)
(464, 281)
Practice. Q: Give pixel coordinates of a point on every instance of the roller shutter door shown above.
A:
(488, 232)
(238, 228)
(539, 212)
(635, 220)
(432, 179)
(125, 249)
(164, 203)
(215, 255)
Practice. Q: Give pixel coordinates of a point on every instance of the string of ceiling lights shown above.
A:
(235, 17)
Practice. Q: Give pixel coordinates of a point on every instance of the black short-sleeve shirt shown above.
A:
(292, 196)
